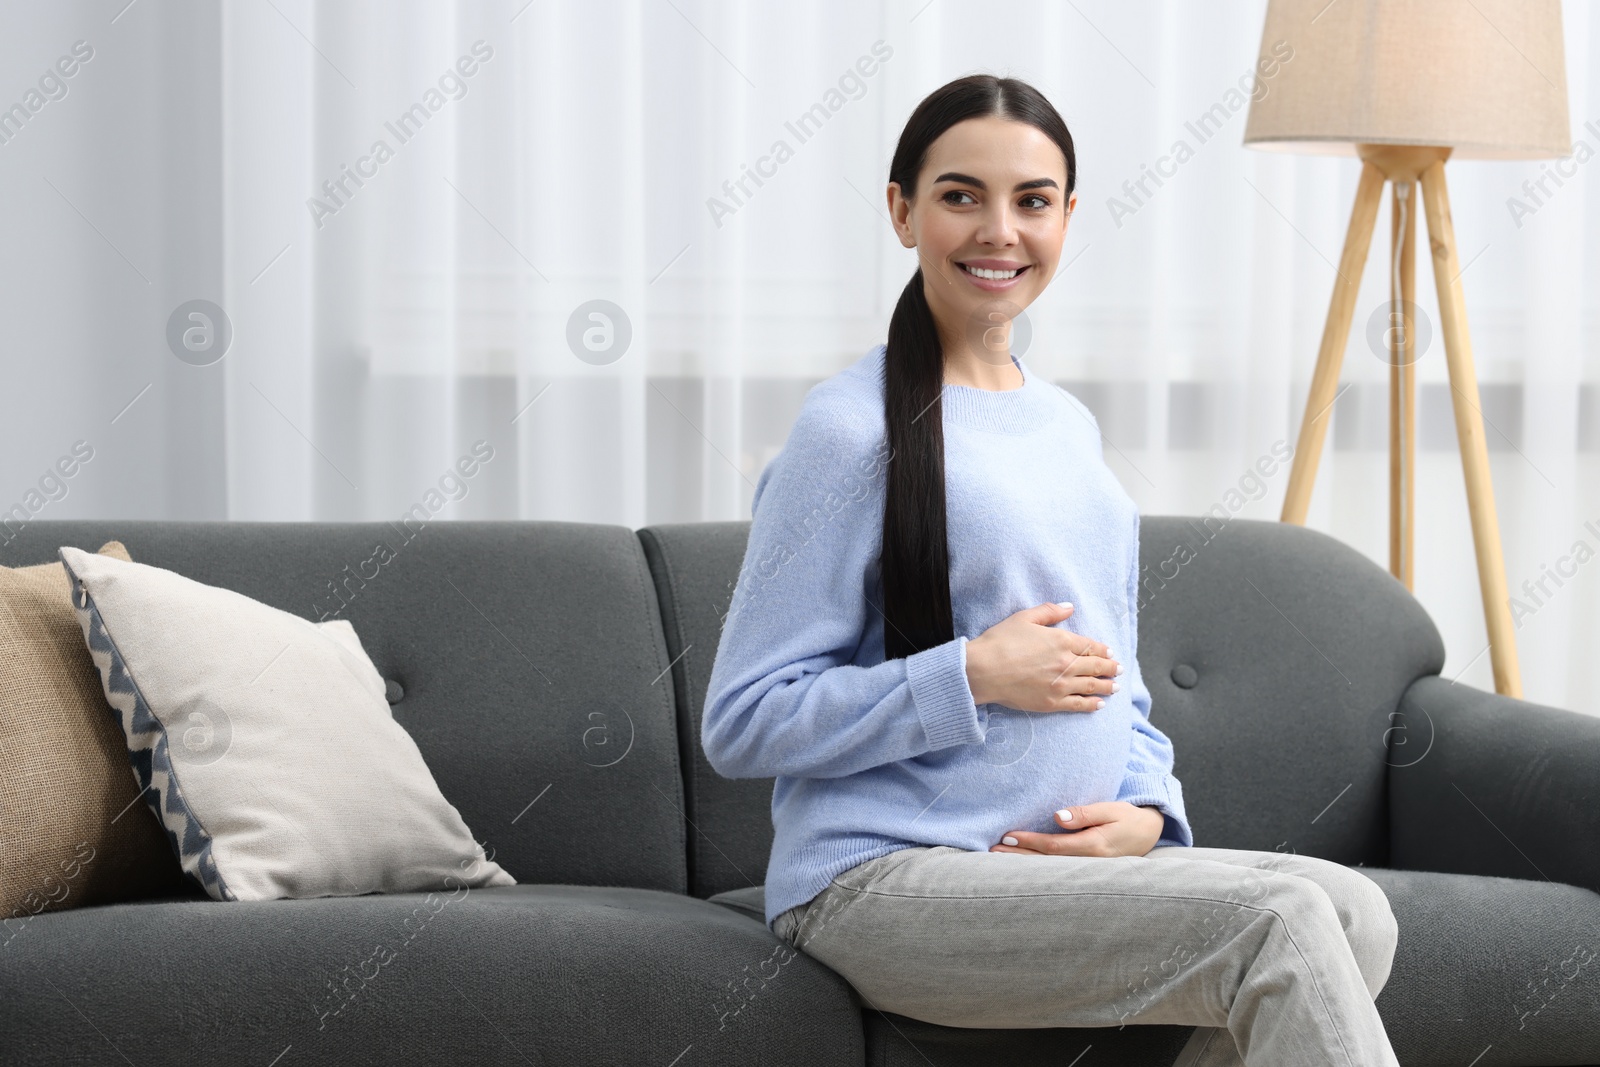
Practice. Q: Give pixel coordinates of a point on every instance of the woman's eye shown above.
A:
(1038, 201)
(954, 192)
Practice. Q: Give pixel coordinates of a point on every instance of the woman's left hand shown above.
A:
(1109, 828)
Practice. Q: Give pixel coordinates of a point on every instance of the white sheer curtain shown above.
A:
(379, 335)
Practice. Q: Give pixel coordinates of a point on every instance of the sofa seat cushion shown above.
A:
(751, 900)
(524, 974)
(1492, 961)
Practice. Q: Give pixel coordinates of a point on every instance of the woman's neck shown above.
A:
(962, 366)
(980, 359)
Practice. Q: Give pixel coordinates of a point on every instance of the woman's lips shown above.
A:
(993, 284)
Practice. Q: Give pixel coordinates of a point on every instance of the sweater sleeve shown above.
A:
(784, 697)
(1148, 780)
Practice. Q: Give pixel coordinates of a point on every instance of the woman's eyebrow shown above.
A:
(967, 179)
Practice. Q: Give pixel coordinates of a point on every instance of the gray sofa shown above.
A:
(553, 673)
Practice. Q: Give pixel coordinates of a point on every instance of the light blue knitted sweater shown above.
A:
(870, 755)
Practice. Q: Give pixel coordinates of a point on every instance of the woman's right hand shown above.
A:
(1027, 663)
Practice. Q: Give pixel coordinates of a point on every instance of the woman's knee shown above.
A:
(1360, 908)
(1360, 902)
(1369, 904)
(1303, 903)
(1371, 929)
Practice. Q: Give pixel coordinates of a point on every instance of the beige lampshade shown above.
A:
(1486, 77)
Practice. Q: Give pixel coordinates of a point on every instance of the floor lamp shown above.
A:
(1406, 85)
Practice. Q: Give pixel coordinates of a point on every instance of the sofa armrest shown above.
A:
(1485, 784)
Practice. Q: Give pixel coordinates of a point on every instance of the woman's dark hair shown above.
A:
(915, 558)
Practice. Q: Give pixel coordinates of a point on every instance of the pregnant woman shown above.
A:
(932, 647)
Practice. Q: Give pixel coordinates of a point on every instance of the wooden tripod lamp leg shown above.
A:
(1469, 432)
(1335, 332)
(1403, 385)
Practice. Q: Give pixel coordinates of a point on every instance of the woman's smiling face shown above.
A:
(988, 219)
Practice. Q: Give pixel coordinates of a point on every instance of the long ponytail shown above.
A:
(915, 558)
(914, 561)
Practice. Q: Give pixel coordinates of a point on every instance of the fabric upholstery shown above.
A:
(526, 651)
(898, 1041)
(265, 744)
(1267, 632)
(575, 976)
(752, 901)
(74, 834)
(1298, 648)
(1492, 785)
(728, 821)
(1484, 961)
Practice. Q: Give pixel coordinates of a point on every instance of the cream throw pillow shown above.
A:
(270, 750)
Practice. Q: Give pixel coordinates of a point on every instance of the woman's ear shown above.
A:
(900, 216)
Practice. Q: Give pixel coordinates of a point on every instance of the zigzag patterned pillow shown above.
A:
(264, 743)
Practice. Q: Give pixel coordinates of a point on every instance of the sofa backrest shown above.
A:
(695, 566)
(1275, 657)
(1298, 649)
(530, 655)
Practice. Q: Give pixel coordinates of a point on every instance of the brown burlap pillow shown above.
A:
(73, 828)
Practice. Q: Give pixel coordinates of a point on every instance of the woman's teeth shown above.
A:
(992, 275)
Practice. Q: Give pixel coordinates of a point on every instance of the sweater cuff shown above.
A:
(1162, 792)
(938, 681)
